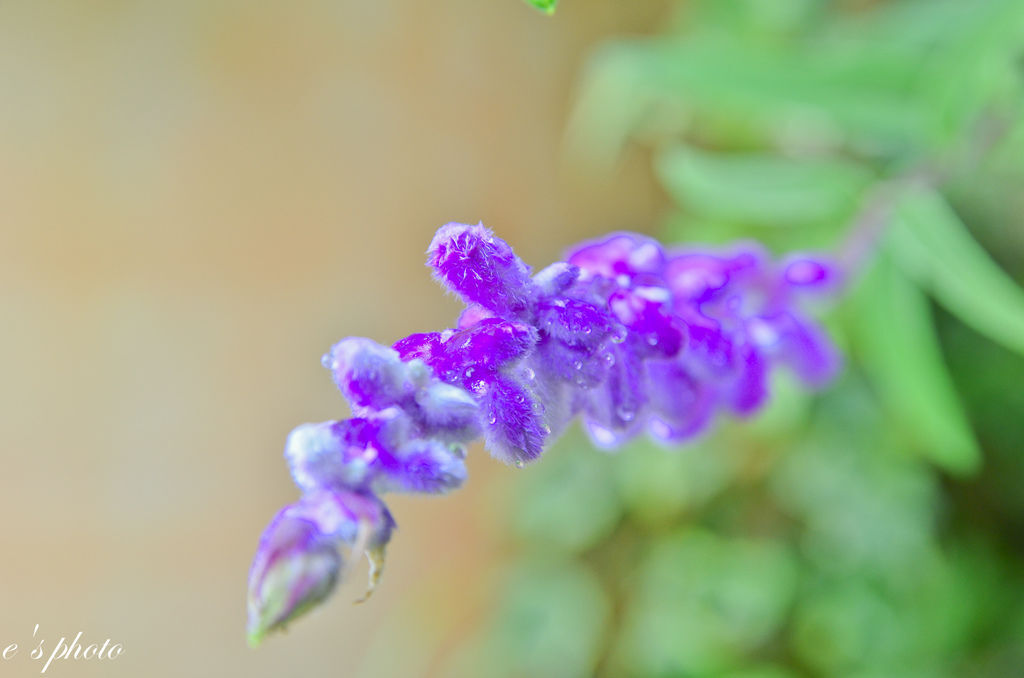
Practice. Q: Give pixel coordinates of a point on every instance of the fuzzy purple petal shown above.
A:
(555, 279)
(622, 256)
(448, 412)
(681, 406)
(428, 466)
(799, 345)
(613, 411)
(810, 273)
(318, 457)
(749, 389)
(644, 312)
(514, 427)
(370, 375)
(481, 268)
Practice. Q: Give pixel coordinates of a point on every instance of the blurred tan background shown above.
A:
(196, 199)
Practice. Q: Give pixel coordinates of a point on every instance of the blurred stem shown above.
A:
(884, 198)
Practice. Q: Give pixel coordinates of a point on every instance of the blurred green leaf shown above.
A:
(864, 506)
(817, 96)
(753, 17)
(569, 502)
(546, 6)
(702, 602)
(976, 66)
(761, 188)
(899, 348)
(761, 672)
(847, 627)
(933, 246)
(657, 484)
(550, 622)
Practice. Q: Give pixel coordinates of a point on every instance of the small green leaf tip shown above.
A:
(546, 6)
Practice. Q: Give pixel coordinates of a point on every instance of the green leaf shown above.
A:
(934, 247)
(551, 613)
(761, 188)
(569, 503)
(727, 91)
(546, 6)
(896, 338)
(699, 603)
(977, 67)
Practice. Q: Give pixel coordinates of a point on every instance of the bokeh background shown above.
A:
(198, 198)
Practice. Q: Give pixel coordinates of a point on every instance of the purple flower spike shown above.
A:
(624, 334)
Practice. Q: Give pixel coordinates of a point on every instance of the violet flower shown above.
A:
(624, 334)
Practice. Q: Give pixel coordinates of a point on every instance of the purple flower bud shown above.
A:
(481, 268)
(614, 412)
(296, 566)
(623, 257)
(428, 466)
(515, 431)
(577, 323)
(371, 375)
(802, 347)
(448, 412)
(489, 344)
(556, 279)
(298, 562)
(643, 311)
(809, 273)
(319, 457)
(748, 389)
(681, 405)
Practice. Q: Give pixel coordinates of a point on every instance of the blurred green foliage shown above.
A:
(546, 6)
(875, 529)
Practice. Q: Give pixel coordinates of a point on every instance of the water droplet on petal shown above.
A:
(652, 339)
(578, 364)
(520, 463)
(625, 412)
(660, 430)
(609, 359)
(327, 361)
(492, 420)
(529, 373)
(602, 436)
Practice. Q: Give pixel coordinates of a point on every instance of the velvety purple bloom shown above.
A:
(626, 335)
